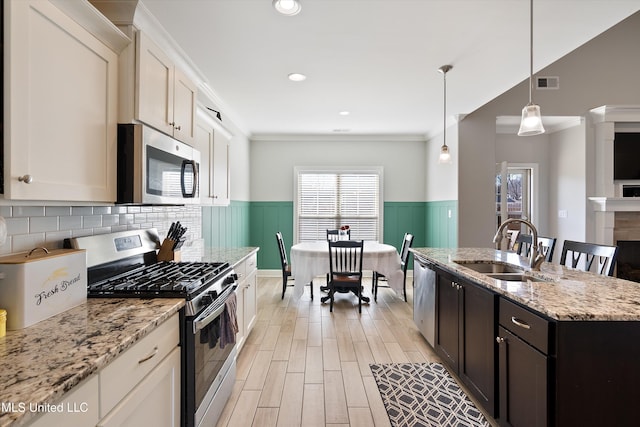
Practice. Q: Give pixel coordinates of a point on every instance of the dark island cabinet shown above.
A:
(524, 366)
(528, 369)
(465, 335)
(566, 373)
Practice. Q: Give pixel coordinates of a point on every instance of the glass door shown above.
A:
(514, 194)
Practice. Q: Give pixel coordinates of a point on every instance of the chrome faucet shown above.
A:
(535, 256)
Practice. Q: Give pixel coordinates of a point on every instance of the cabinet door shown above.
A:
(79, 408)
(250, 303)
(61, 91)
(240, 336)
(523, 383)
(477, 359)
(155, 401)
(447, 325)
(184, 108)
(204, 144)
(154, 80)
(220, 170)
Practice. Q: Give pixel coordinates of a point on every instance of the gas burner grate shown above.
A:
(164, 279)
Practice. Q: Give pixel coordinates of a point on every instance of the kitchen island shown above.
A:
(558, 347)
(565, 294)
(41, 363)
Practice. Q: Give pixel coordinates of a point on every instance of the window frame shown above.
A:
(377, 170)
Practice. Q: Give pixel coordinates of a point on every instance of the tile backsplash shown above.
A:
(47, 226)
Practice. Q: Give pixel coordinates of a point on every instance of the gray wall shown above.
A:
(604, 71)
(273, 160)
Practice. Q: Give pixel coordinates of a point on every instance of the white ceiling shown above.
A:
(377, 59)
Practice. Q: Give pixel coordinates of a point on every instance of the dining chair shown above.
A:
(286, 267)
(332, 236)
(345, 269)
(605, 256)
(407, 241)
(546, 244)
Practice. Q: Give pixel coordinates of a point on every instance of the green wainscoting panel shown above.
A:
(226, 226)
(404, 217)
(256, 223)
(442, 224)
(266, 219)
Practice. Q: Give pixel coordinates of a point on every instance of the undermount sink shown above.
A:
(515, 277)
(491, 267)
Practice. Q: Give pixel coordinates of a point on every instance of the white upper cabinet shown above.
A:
(214, 143)
(61, 105)
(220, 169)
(166, 97)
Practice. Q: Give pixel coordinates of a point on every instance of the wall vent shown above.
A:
(548, 83)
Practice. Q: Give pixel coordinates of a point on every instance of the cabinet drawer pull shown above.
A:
(499, 340)
(520, 323)
(144, 359)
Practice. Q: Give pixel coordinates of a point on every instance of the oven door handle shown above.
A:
(205, 318)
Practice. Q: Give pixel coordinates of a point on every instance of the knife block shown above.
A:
(166, 252)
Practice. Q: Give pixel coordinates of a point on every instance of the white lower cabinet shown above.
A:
(247, 299)
(155, 401)
(141, 387)
(78, 409)
(143, 383)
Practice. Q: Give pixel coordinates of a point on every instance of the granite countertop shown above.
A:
(42, 362)
(564, 293)
(231, 255)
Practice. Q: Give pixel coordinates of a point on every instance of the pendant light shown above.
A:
(287, 7)
(531, 123)
(445, 156)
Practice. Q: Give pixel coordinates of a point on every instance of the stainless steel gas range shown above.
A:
(124, 265)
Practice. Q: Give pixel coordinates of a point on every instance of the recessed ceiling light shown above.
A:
(344, 113)
(287, 7)
(297, 77)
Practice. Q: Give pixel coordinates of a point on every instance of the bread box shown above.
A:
(39, 284)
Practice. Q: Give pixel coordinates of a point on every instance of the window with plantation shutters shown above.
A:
(332, 199)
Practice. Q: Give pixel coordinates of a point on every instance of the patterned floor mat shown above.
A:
(422, 394)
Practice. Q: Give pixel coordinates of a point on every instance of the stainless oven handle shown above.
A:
(201, 322)
(194, 190)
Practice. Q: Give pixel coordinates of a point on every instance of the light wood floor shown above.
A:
(304, 366)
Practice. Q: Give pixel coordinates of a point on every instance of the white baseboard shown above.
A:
(269, 273)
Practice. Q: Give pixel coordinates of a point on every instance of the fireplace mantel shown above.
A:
(615, 204)
(605, 121)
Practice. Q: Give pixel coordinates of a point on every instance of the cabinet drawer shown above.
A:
(251, 263)
(122, 375)
(247, 266)
(529, 326)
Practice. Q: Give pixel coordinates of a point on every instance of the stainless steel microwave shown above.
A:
(154, 168)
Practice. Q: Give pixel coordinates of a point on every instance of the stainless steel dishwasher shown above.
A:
(424, 298)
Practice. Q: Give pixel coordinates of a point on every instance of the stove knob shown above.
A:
(214, 294)
(235, 276)
(229, 280)
(207, 299)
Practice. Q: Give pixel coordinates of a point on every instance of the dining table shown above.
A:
(311, 259)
